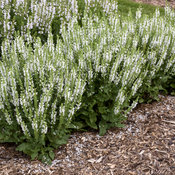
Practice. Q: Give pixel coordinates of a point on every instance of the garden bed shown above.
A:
(145, 146)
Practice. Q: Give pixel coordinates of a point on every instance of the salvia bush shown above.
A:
(39, 16)
(95, 73)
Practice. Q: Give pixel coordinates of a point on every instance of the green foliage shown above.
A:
(18, 17)
(98, 105)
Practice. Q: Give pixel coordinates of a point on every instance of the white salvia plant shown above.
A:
(40, 13)
(156, 58)
(34, 97)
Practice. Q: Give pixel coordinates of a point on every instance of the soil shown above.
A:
(146, 145)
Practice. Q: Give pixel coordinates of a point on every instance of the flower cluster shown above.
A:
(40, 14)
(34, 83)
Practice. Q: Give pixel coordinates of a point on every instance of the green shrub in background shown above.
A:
(39, 16)
(157, 38)
(91, 77)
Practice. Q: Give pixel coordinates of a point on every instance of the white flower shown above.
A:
(116, 111)
(8, 118)
(138, 14)
(62, 110)
(44, 127)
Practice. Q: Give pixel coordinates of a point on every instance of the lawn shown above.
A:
(124, 6)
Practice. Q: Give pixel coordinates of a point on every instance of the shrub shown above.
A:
(39, 16)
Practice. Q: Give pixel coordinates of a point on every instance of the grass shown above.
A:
(124, 6)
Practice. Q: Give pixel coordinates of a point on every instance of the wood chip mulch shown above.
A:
(146, 145)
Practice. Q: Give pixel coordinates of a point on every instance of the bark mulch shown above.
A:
(146, 145)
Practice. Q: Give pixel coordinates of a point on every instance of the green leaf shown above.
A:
(85, 113)
(102, 109)
(172, 85)
(141, 100)
(60, 140)
(77, 125)
(91, 120)
(34, 155)
(23, 147)
(31, 149)
(45, 158)
(107, 117)
(172, 93)
(51, 154)
(102, 127)
(119, 125)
